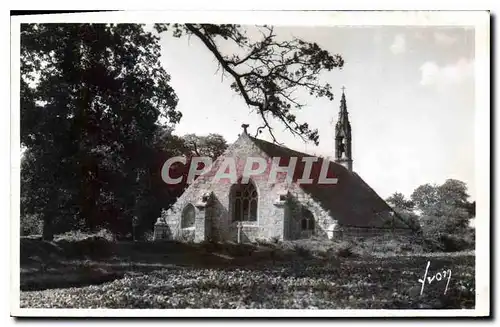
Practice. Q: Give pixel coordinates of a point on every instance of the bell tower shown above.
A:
(343, 140)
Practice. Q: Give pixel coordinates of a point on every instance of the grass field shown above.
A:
(100, 274)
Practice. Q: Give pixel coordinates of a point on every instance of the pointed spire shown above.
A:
(343, 105)
(343, 139)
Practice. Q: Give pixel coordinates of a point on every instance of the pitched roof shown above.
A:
(351, 201)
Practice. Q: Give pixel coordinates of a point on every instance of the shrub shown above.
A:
(389, 246)
(453, 243)
(275, 239)
(31, 225)
(106, 234)
(149, 236)
(432, 244)
(449, 242)
(77, 235)
(185, 236)
(411, 220)
(302, 250)
(345, 249)
(263, 242)
(410, 247)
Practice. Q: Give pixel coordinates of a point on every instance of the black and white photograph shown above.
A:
(302, 163)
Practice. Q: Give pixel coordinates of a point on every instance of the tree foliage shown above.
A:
(444, 209)
(425, 197)
(212, 145)
(91, 96)
(440, 212)
(404, 208)
(399, 202)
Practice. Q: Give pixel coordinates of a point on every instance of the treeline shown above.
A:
(441, 213)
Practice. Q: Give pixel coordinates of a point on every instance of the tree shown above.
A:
(425, 197)
(212, 145)
(167, 145)
(444, 208)
(267, 72)
(404, 208)
(399, 202)
(471, 209)
(453, 192)
(46, 194)
(91, 96)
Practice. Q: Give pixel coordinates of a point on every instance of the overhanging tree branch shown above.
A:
(269, 71)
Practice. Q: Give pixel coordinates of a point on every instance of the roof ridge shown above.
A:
(282, 147)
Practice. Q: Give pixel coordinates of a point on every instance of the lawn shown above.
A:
(176, 275)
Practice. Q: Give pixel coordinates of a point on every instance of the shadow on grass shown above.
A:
(361, 282)
(71, 264)
(64, 264)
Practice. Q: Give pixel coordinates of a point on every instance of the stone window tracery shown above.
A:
(245, 202)
(307, 221)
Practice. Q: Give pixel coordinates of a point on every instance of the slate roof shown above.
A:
(351, 201)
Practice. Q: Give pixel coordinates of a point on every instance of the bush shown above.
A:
(390, 246)
(31, 225)
(302, 250)
(77, 235)
(432, 244)
(345, 250)
(454, 243)
(264, 242)
(185, 236)
(407, 247)
(149, 236)
(411, 219)
(275, 239)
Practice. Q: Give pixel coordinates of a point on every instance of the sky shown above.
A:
(409, 92)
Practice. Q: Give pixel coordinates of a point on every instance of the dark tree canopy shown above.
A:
(91, 96)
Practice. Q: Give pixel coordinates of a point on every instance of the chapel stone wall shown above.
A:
(218, 212)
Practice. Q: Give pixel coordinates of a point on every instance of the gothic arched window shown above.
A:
(188, 216)
(244, 200)
(307, 221)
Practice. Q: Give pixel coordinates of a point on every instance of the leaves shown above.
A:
(399, 202)
(91, 99)
(444, 208)
(212, 145)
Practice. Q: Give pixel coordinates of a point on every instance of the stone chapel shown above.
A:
(247, 210)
